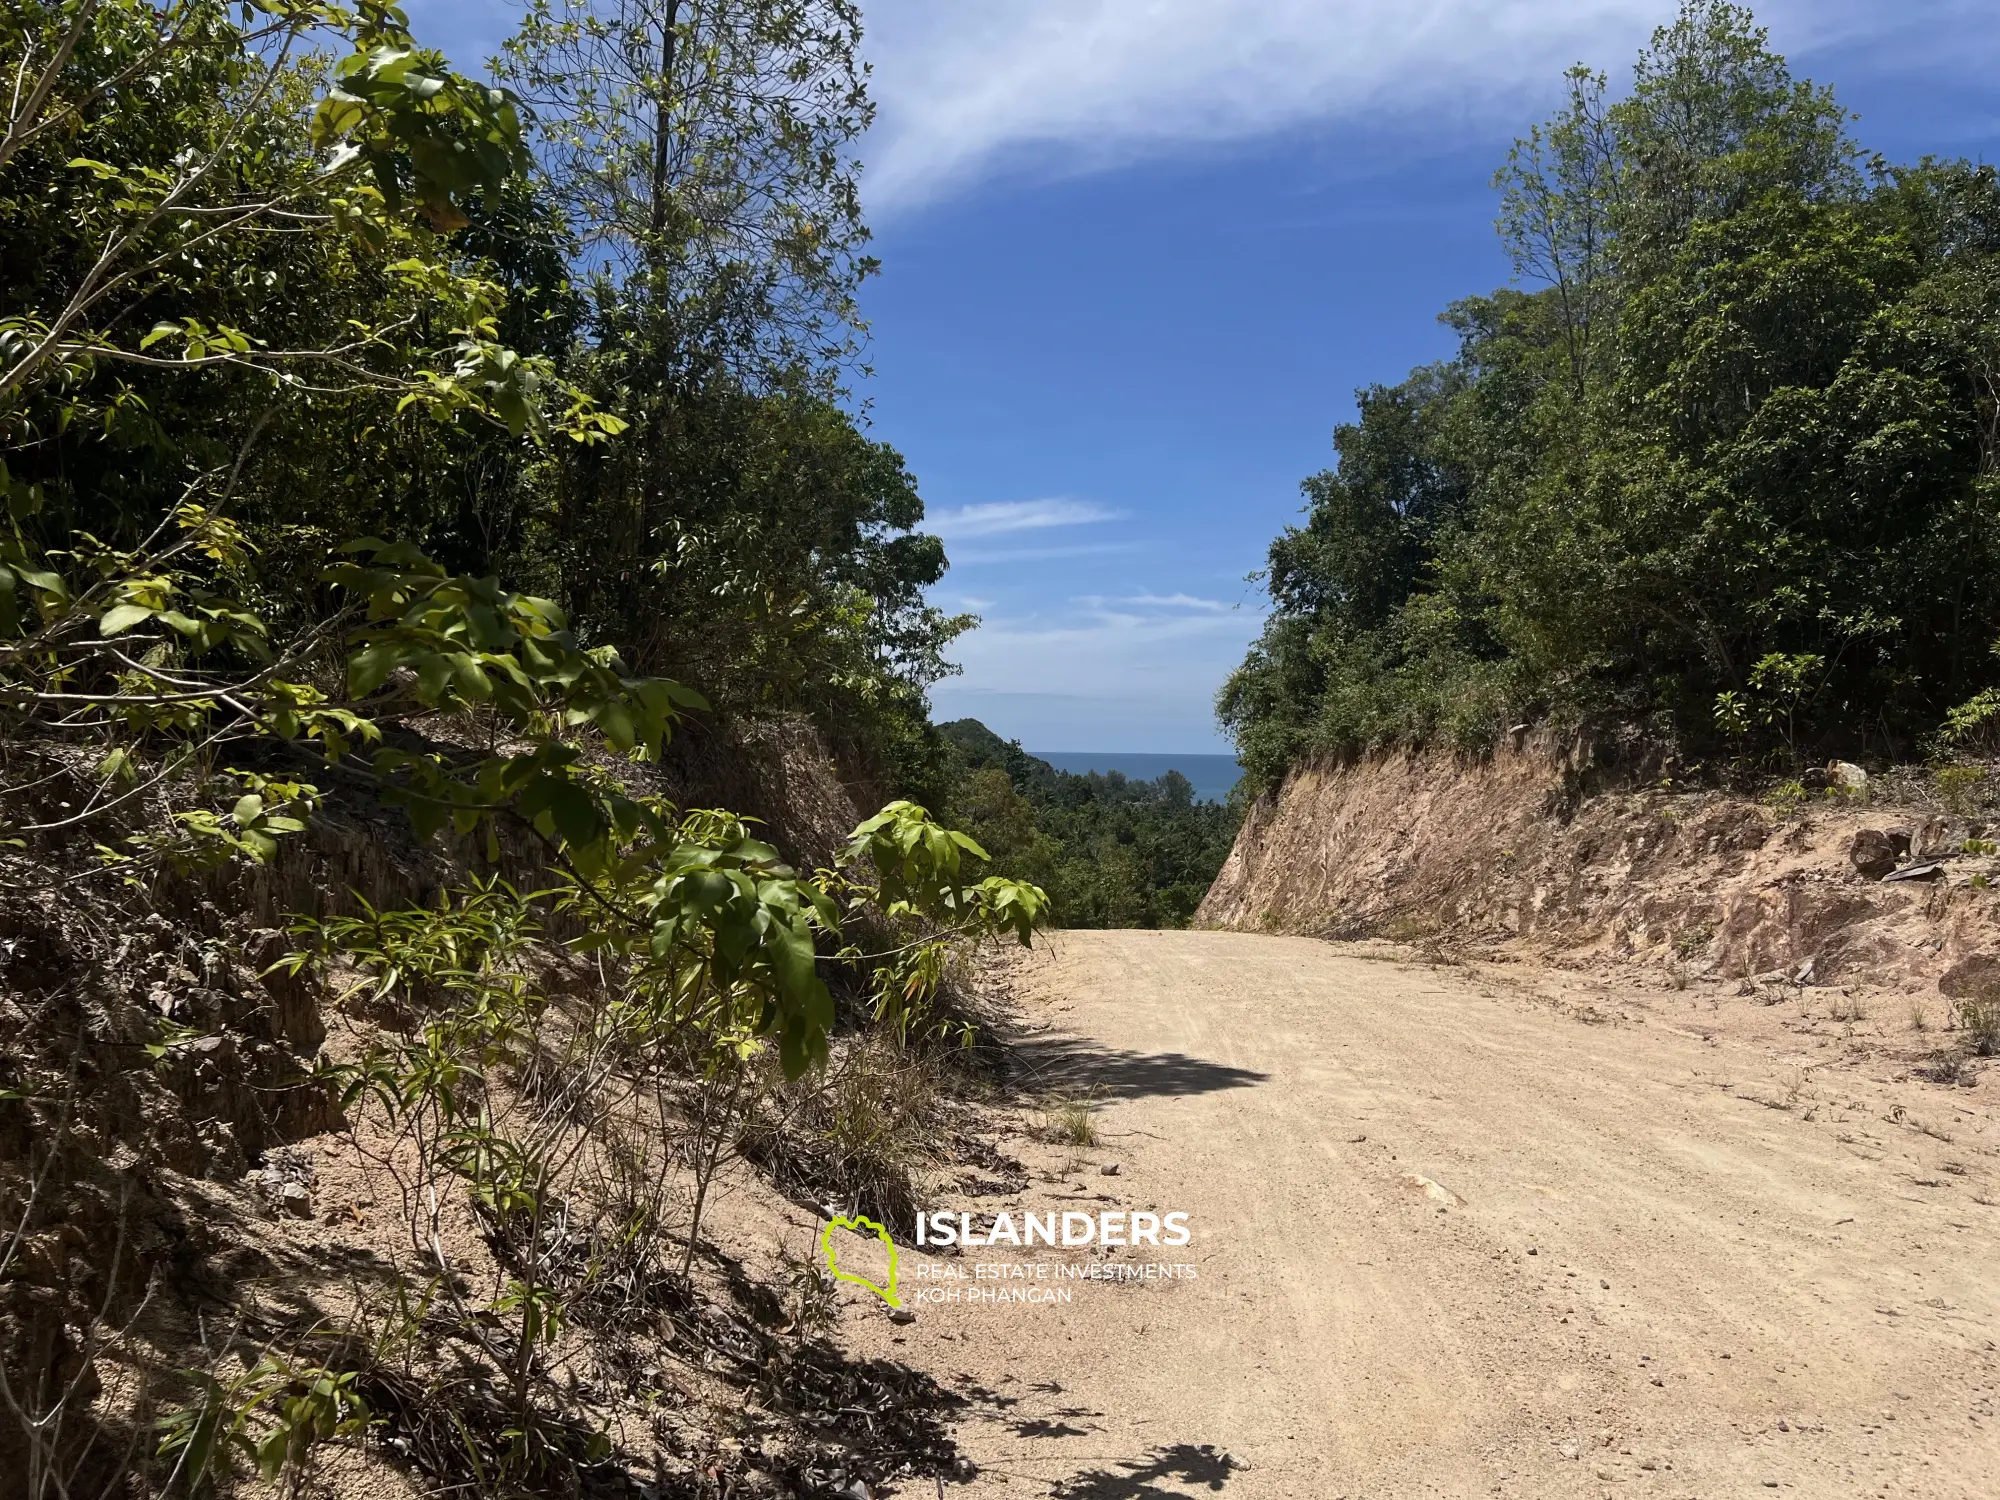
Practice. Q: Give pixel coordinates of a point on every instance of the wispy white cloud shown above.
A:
(970, 557)
(1104, 650)
(1175, 601)
(1068, 85)
(1000, 516)
(1139, 609)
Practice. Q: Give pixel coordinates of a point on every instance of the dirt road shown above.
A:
(1451, 1239)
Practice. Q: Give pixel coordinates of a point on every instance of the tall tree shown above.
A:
(1714, 120)
(702, 152)
(749, 536)
(1558, 193)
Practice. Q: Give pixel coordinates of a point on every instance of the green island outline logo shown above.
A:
(859, 1222)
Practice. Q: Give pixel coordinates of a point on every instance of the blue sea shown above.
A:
(1212, 775)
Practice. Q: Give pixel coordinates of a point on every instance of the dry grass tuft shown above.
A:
(1979, 1018)
(1071, 1120)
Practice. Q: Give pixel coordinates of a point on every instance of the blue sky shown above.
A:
(1137, 255)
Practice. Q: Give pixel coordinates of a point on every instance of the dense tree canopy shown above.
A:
(1110, 851)
(594, 347)
(1724, 468)
(344, 462)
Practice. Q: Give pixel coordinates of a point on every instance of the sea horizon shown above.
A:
(1211, 774)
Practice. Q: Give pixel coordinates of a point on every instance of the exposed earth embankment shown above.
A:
(1539, 850)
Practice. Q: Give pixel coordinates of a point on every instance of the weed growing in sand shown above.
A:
(1797, 1083)
(1691, 940)
(1788, 799)
(1848, 1009)
(1920, 1015)
(1947, 1067)
(1979, 1018)
(1071, 1121)
(815, 1298)
(859, 1132)
(1407, 928)
(1958, 787)
(271, 1413)
(555, 1110)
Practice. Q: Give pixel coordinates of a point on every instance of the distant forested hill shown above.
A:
(1110, 851)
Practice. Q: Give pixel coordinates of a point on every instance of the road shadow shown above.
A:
(1133, 1478)
(1049, 1427)
(1071, 1063)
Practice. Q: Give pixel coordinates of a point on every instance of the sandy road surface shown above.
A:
(1668, 1266)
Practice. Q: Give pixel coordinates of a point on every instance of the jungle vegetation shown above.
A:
(1111, 852)
(371, 433)
(1721, 467)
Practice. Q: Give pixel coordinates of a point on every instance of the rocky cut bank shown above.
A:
(1559, 851)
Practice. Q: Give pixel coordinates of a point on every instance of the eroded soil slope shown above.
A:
(1537, 852)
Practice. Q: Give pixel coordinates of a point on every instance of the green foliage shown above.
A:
(251, 828)
(1958, 787)
(702, 152)
(202, 185)
(1110, 852)
(273, 1414)
(747, 537)
(708, 953)
(1726, 475)
(1779, 689)
(751, 539)
(351, 447)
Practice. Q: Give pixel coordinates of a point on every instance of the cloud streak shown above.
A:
(982, 557)
(1071, 85)
(1108, 651)
(1175, 601)
(1000, 517)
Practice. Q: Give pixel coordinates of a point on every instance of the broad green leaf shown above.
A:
(122, 617)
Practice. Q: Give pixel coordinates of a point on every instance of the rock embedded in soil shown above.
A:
(1872, 853)
(1973, 978)
(1929, 870)
(1933, 837)
(1436, 1192)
